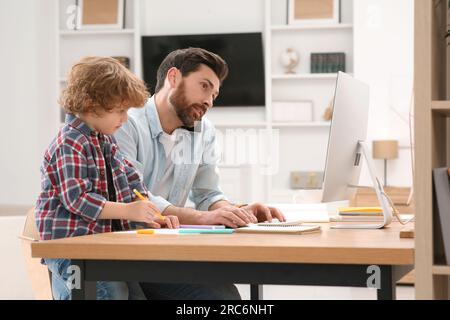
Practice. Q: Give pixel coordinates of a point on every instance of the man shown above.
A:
(173, 147)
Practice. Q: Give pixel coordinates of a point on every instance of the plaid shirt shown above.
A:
(74, 182)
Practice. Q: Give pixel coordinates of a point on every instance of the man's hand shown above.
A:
(229, 216)
(264, 213)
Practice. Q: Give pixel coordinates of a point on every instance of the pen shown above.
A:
(140, 196)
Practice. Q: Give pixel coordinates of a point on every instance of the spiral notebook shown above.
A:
(293, 227)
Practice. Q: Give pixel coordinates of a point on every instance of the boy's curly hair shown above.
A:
(97, 84)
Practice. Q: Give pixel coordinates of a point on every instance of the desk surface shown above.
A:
(331, 246)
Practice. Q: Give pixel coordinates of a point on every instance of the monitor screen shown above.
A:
(347, 149)
(348, 128)
(243, 53)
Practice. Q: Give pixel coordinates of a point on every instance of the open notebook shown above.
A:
(292, 227)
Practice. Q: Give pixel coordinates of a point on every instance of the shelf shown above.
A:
(430, 139)
(320, 124)
(238, 125)
(441, 270)
(305, 76)
(95, 32)
(62, 79)
(441, 107)
(311, 27)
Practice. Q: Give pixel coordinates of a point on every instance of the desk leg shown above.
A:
(87, 290)
(256, 292)
(387, 285)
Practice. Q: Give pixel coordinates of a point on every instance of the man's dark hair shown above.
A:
(189, 60)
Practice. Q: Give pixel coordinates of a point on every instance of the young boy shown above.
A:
(87, 184)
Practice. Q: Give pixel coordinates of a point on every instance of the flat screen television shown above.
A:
(243, 53)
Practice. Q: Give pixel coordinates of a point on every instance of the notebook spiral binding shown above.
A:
(280, 224)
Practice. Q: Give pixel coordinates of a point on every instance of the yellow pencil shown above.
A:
(140, 196)
(145, 231)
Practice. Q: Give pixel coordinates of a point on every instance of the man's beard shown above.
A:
(184, 110)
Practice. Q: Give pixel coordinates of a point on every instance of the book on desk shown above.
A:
(364, 214)
(290, 227)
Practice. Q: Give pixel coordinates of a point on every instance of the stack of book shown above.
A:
(331, 62)
(364, 214)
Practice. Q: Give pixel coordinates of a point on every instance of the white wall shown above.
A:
(28, 112)
(384, 51)
(28, 103)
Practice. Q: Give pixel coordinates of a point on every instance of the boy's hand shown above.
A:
(170, 222)
(142, 211)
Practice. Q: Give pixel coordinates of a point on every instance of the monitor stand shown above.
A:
(383, 198)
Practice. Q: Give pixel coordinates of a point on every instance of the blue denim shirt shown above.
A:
(195, 157)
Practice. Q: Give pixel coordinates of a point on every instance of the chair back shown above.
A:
(37, 273)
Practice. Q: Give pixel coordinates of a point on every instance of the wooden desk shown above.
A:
(332, 257)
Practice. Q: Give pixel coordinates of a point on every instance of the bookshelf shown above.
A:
(311, 27)
(239, 124)
(75, 44)
(94, 32)
(441, 270)
(312, 137)
(317, 124)
(432, 110)
(442, 107)
(306, 76)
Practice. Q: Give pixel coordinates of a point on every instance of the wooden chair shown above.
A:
(38, 273)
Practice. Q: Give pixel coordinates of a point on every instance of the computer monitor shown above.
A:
(347, 148)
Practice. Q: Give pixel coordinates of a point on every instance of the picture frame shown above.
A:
(313, 12)
(100, 14)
